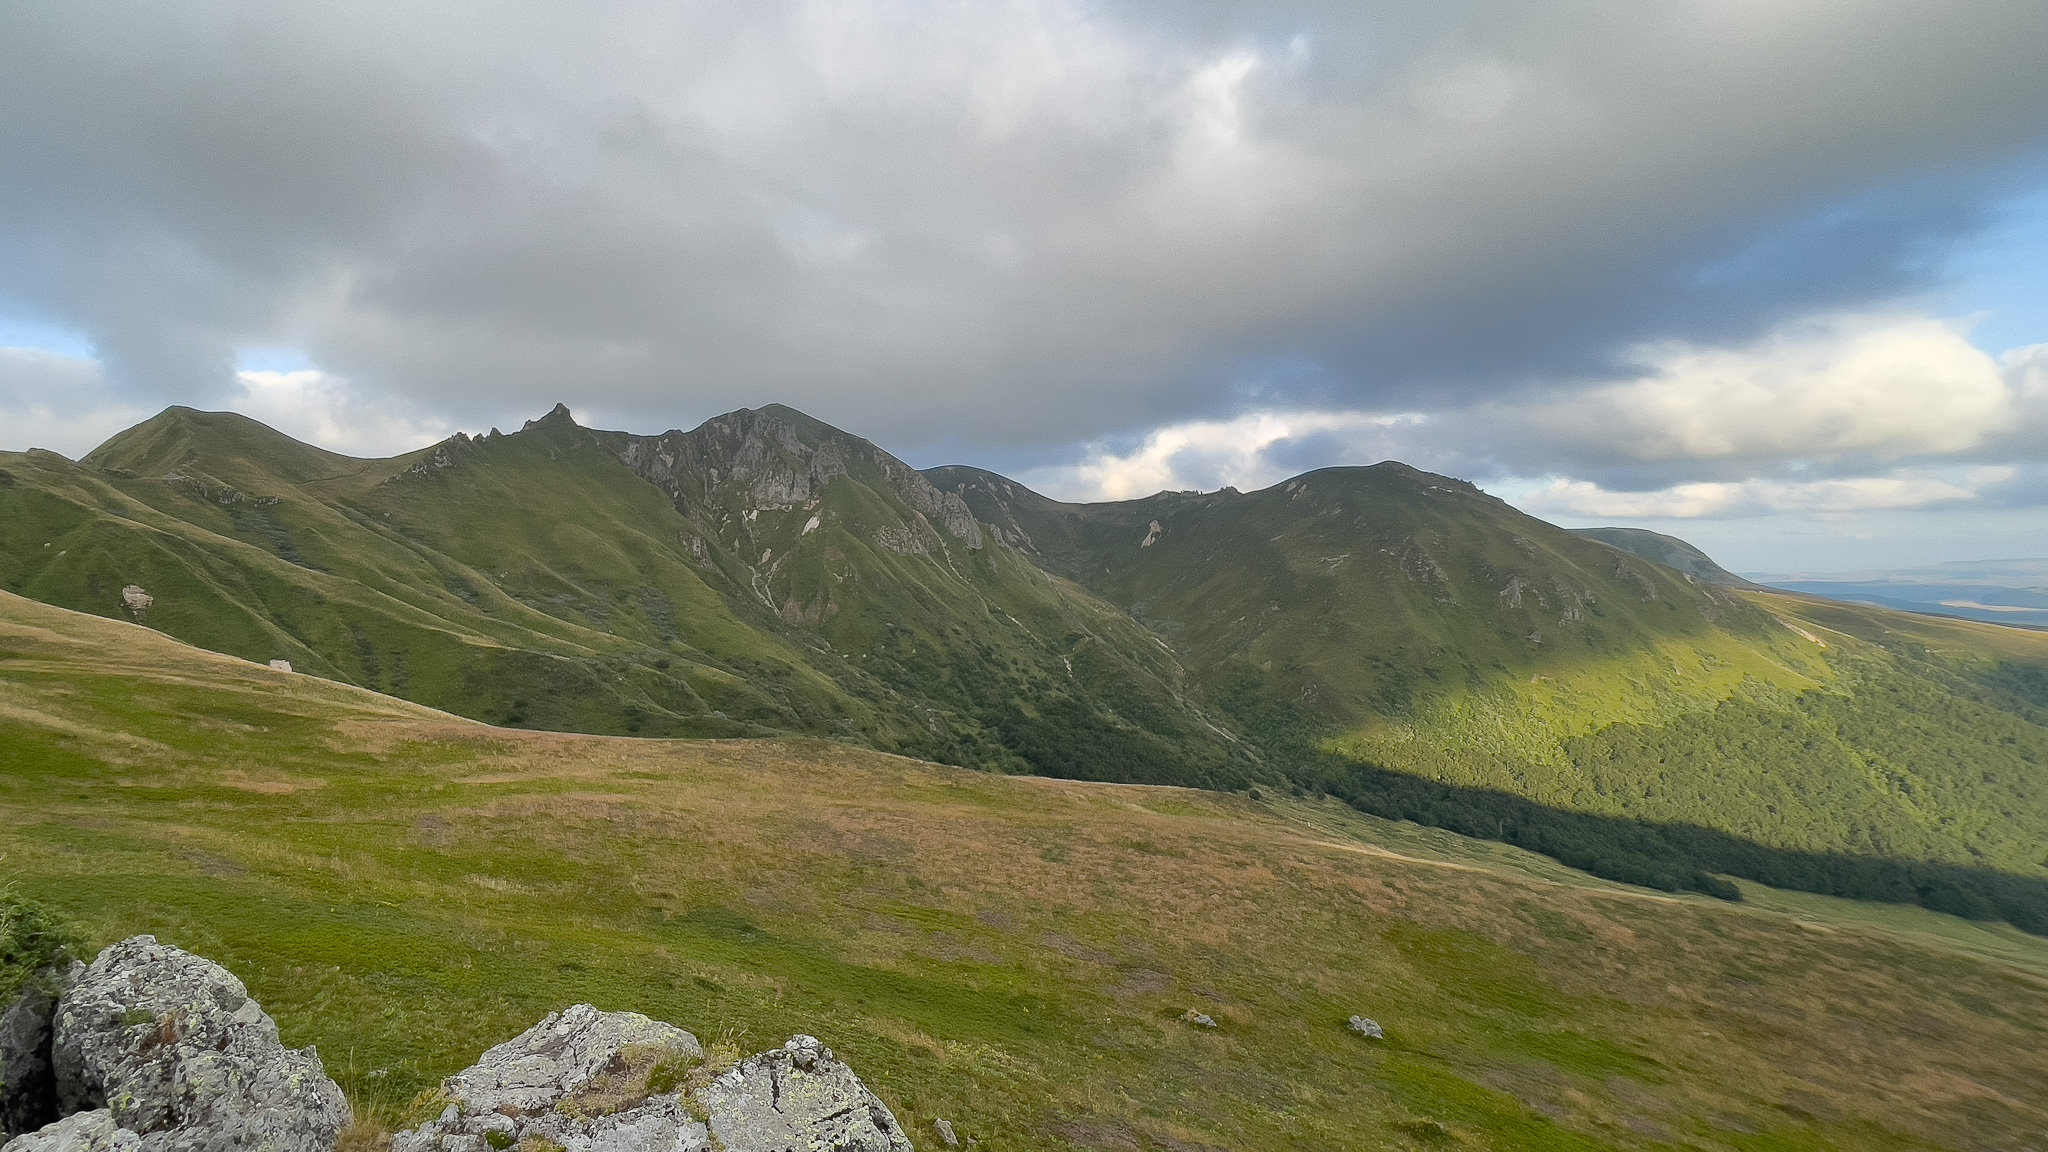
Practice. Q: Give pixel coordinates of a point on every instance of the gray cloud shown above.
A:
(1004, 225)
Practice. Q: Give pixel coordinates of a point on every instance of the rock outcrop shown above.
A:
(798, 1097)
(153, 1049)
(1366, 1026)
(80, 1132)
(28, 1082)
(174, 1047)
(582, 1080)
(589, 1081)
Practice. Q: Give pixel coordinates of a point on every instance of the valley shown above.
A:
(403, 887)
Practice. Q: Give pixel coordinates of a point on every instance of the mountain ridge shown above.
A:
(1339, 633)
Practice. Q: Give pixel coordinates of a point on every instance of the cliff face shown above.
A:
(776, 459)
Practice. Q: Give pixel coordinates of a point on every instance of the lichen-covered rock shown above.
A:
(174, 1047)
(566, 1054)
(798, 1098)
(1366, 1026)
(79, 1132)
(585, 1080)
(28, 1083)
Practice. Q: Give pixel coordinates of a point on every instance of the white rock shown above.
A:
(1366, 1026)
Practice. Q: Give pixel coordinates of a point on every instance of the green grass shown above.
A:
(1012, 954)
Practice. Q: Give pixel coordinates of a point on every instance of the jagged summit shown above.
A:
(558, 415)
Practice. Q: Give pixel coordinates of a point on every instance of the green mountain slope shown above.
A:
(1398, 639)
(785, 577)
(1368, 626)
(1669, 551)
(1015, 955)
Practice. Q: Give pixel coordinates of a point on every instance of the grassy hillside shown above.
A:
(538, 580)
(1394, 638)
(1669, 551)
(1013, 954)
(1361, 622)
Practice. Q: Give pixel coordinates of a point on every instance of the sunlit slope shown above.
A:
(1669, 551)
(1358, 592)
(1408, 622)
(1012, 954)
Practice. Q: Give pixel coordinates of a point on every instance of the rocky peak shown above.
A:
(558, 415)
(778, 458)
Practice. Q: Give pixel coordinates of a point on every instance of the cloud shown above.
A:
(322, 409)
(1828, 415)
(57, 402)
(1579, 499)
(1021, 223)
(1245, 453)
(1852, 390)
(65, 404)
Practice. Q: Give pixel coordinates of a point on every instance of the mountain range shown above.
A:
(1394, 638)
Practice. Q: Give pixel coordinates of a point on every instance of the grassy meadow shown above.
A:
(404, 888)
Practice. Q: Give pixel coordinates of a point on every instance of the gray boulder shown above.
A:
(1366, 1026)
(581, 1079)
(174, 1047)
(28, 1083)
(79, 1132)
(798, 1098)
(590, 1081)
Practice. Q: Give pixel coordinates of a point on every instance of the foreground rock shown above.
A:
(585, 1080)
(28, 1083)
(1366, 1026)
(590, 1081)
(799, 1098)
(80, 1132)
(174, 1047)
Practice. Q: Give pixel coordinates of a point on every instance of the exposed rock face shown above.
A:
(28, 1083)
(172, 1044)
(136, 600)
(774, 458)
(1366, 1026)
(796, 1099)
(80, 1132)
(591, 1081)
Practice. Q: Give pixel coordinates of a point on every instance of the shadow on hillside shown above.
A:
(1685, 857)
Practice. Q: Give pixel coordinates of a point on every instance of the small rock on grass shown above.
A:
(1198, 1019)
(945, 1130)
(1367, 1027)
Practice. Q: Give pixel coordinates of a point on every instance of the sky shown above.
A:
(1769, 275)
